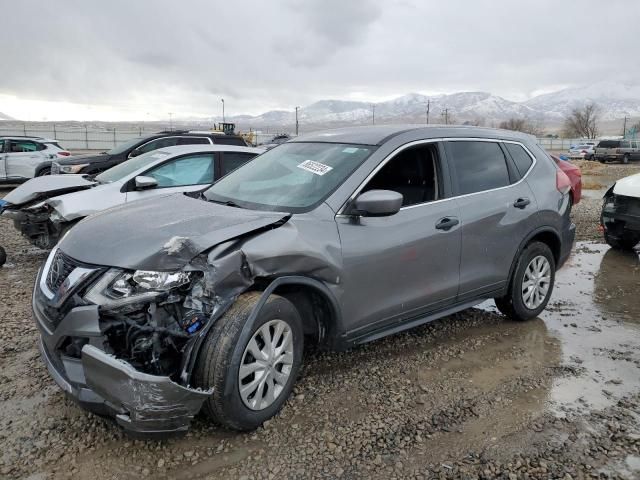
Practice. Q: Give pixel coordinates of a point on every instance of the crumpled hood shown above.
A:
(47, 186)
(161, 233)
(628, 186)
(88, 158)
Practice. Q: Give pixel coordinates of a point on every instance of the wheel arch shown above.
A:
(41, 166)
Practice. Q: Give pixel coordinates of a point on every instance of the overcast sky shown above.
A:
(126, 60)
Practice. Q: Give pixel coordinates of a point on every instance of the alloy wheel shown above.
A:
(266, 365)
(536, 282)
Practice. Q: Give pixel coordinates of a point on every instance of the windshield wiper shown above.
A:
(228, 203)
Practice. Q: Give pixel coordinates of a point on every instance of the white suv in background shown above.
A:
(22, 158)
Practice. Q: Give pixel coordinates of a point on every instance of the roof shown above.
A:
(27, 137)
(379, 134)
(182, 149)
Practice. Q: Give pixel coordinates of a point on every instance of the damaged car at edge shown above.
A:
(45, 208)
(620, 217)
(152, 311)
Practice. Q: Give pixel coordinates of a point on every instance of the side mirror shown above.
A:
(378, 203)
(144, 183)
(134, 153)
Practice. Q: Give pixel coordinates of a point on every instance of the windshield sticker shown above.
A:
(315, 167)
(350, 150)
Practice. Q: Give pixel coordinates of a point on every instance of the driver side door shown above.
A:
(189, 173)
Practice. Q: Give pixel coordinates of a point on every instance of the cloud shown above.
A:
(161, 55)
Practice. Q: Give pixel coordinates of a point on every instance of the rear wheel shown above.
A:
(44, 171)
(626, 241)
(531, 284)
(252, 370)
(625, 158)
(3, 256)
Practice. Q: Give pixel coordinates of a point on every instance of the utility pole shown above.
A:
(222, 100)
(624, 127)
(373, 113)
(297, 108)
(445, 114)
(428, 108)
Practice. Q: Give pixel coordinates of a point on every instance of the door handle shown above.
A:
(447, 223)
(521, 203)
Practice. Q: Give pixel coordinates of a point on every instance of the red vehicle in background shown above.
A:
(575, 176)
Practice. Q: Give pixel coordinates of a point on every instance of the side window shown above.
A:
(233, 160)
(189, 170)
(624, 145)
(479, 166)
(158, 143)
(20, 146)
(228, 140)
(193, 141)
(520, 156)
(414, 173)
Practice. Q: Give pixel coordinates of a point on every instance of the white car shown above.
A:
(585, 151)
(44, 208)
(22, 158)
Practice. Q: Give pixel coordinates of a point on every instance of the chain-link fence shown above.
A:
(86, 137)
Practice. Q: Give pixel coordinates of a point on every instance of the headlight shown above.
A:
(72, 168)
(161, 281)
(118, 288)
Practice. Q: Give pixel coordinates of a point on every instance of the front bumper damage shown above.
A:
(140, 403)
(620, 213)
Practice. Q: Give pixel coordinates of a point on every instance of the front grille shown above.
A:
(60, 268)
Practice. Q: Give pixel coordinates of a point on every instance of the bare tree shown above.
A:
(522, 125)
(582, 122)
(476, 122)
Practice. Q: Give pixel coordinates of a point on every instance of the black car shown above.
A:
(95, 163)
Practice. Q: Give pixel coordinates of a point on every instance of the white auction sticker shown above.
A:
(315, 167)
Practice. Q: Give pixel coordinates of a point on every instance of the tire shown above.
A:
(602, 160)
(44, 171)
(625, 242)
(3, 256)
(513, 303)
(227, 347)
(625, 158)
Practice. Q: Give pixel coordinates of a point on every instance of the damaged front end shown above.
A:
(120, 342)
(38, 222)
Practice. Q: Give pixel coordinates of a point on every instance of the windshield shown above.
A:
(123, 147)
(294, 177)
(126, 168)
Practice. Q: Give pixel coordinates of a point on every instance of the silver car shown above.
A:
(152, 311)
(44, 208)
(22, 158)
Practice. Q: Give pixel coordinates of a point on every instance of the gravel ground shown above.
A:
(470, 396)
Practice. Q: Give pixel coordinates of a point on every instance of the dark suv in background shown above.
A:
(96, 163)
(617, 151)
(336, 238)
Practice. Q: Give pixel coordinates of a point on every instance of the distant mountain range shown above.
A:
(615, 101)
(5, 117)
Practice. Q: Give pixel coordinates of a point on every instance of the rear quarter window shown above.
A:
(520, 157)
(226, 140)
(478, 166)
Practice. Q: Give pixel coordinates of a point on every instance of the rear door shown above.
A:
(22, 158)
(495, 207)
(188, 173)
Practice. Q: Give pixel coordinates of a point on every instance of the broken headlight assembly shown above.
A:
(118, 288)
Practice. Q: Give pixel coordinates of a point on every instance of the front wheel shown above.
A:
(531, 284)
(3, 256)
(625, 159)
(252, 370)
(44, 171)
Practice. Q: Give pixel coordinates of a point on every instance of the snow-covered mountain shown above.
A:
(615, 101)
(5, 117)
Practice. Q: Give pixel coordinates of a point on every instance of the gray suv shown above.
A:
(339, 238)
(617, 150)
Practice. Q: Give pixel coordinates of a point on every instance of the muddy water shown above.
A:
(595, 314)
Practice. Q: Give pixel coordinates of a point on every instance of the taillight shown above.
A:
(63, 153)
(563, 183)
(583, 151)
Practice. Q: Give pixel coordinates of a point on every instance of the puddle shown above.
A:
(594, 312)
